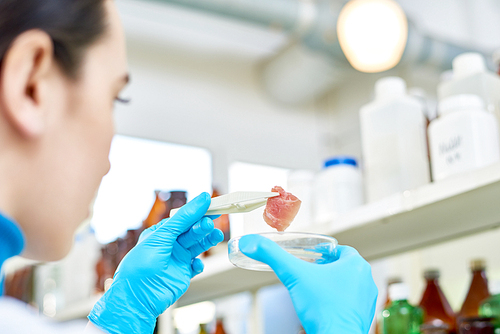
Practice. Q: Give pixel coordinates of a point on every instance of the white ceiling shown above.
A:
(196, 32)
(474, 24)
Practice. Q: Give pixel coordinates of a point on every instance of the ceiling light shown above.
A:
(372, 34)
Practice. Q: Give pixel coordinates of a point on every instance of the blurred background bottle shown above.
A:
(300, 183)
(437, 310)
(434, 329)
(222, 223)
(471, 76)
(219, 326)
(401, 317)
(338, 188)
(476, 325)
(380, 320)
(478, 291)
(393, 141)
(173, 200)
(156, 213)
(490, 307)
(203, 329)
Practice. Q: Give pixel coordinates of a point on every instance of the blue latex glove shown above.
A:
(157, 271)
(338, 297)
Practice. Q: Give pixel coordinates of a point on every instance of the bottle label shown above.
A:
(450, 150)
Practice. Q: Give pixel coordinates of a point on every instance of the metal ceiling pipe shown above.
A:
(303, 70)
(289, 15)
(299, 74)
(422, 49)
(314, 24)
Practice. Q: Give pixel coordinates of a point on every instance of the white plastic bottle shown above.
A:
(300, 183)
(337, 189)
(470, 76)
(394, 141)
(464, 136)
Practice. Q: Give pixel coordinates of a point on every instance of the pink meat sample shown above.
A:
(281, 210)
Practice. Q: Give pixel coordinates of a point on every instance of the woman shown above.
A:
(62, 66)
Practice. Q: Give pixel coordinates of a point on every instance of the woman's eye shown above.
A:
(122, 100)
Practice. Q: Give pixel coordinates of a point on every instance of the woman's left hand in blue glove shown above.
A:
(157, 271)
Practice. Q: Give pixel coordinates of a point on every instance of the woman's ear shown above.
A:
(24, 75)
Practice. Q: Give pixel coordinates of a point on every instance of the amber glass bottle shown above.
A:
(219, 327)
(173, 200)
(434, 303)
(478, 291)
(222, 223)
(434, 329)
(156, 213)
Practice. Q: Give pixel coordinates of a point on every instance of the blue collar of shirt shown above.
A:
(11, 242)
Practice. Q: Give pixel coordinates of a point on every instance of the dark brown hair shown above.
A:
(73, 25)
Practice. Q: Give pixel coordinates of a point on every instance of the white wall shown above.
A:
(188, 100)
(183, 93)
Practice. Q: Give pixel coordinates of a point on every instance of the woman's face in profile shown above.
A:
(73, 155)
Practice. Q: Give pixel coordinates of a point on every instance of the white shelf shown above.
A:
(434, 213)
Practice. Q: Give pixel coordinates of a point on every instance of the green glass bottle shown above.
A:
(400, 317)
(490, 307)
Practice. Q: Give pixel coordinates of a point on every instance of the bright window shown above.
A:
(138, 168)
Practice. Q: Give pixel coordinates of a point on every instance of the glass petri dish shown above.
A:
(310, 247)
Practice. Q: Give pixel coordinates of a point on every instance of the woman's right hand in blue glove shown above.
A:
(338, 297)
(157, 271)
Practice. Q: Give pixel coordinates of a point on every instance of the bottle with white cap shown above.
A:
(471, 76)
(394, 141)
(400, 317)
(464, 137)
(490, 307)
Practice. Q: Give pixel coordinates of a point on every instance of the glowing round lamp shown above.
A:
(372, 34)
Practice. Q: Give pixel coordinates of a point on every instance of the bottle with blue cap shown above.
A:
(338, 188)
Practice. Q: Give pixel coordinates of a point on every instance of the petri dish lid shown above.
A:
(310, 247)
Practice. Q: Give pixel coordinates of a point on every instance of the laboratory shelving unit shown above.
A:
(428, 215)
(434, 213)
